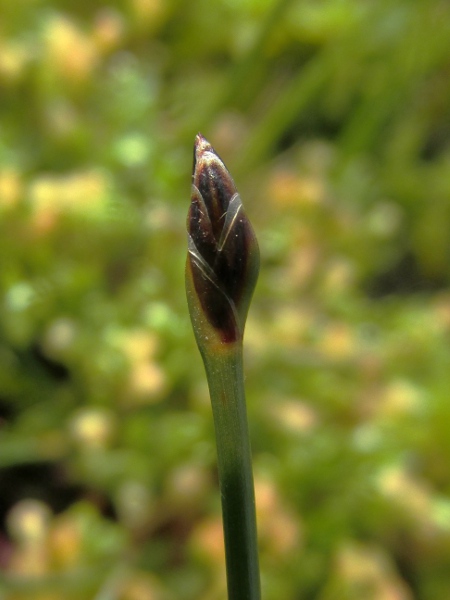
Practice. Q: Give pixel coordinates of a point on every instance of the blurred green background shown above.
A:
(334, 119)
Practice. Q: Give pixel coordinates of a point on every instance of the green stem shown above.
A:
(224, 370)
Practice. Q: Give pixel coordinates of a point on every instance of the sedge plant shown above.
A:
(221, 272)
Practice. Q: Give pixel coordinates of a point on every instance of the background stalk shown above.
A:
(224, 370)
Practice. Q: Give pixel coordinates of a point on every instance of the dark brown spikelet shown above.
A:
(223, 252)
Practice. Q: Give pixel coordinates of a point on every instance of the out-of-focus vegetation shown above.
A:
(334, 118)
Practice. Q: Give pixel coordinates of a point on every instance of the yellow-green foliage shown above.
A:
(333, 117)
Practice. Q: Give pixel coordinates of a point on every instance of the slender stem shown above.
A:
(224, 370)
